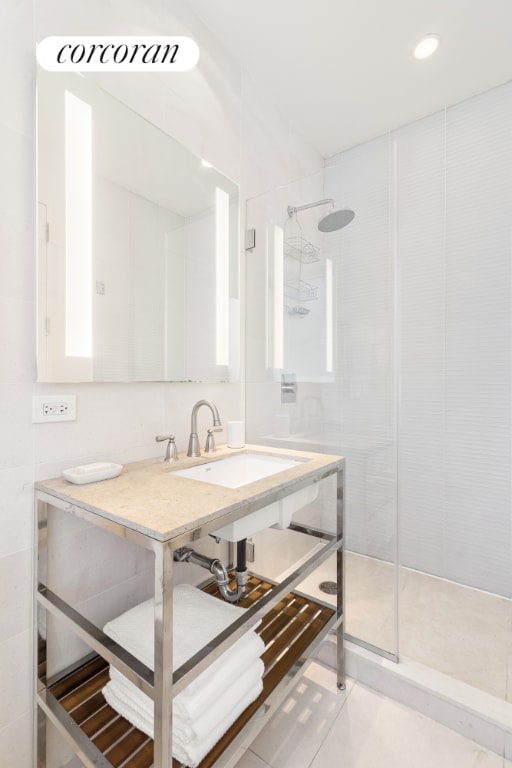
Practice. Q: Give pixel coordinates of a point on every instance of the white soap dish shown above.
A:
(91, 473)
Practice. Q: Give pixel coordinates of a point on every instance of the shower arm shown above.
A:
(292, 210)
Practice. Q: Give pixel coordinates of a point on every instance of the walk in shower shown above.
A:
(389, 341)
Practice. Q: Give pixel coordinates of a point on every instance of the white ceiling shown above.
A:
(342, 70)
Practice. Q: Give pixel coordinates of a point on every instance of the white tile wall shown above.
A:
(444, 206)
(421, 176)
(16, 739)
(16, 676)
(16, 524)
(15, 593)
(363, 255)
(478, 340)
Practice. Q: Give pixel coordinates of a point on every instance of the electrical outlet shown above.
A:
(53, 408)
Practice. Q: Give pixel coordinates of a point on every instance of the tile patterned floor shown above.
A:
(318, 726)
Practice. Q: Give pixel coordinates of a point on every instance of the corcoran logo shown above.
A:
(117, 54)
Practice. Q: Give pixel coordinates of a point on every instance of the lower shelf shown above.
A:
(287, 630)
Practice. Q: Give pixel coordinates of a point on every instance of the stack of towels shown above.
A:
(208, 707)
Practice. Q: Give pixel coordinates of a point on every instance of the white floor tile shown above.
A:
(294, 735)
(372, 730)
(250, 760)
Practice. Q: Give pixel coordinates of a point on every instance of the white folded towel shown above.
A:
(191, 754)
(197, 619)
(198, 730)
(202, 693)
(204, 710)
(184, 728)
(194, 751)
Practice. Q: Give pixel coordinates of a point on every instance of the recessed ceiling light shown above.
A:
(426, 46)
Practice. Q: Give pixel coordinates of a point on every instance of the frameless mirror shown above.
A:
(137, 275)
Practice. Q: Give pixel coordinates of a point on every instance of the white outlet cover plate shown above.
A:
(39, 402)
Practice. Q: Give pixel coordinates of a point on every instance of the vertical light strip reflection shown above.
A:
(78, 153)
(278, 297)
(329, 348)
(222, 276)
(268, 319)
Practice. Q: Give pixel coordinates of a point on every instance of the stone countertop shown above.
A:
(148, 498)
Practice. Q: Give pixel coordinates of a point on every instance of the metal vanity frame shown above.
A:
(162, 685)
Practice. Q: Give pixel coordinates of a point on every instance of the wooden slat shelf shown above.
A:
(287, 631)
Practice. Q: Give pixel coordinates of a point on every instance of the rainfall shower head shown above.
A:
(337, 218)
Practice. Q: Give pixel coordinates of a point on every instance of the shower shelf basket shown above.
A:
(299, 290)
(301, 249)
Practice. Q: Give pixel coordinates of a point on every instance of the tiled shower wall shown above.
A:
(420, 399)
(438, 210)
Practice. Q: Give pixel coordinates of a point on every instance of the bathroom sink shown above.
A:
(241, 469)
(235, 471)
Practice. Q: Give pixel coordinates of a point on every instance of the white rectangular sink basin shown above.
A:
(244, 468)
(235, 471)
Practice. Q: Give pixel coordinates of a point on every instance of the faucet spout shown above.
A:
(193, 443)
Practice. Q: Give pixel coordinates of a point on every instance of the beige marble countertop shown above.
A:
(150, 499)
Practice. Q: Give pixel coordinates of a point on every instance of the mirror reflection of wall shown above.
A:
(137, 247)
(299, 297)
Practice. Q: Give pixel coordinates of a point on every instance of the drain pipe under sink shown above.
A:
(214, 565)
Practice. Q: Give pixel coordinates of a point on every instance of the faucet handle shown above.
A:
(210, 440)
(171, 453)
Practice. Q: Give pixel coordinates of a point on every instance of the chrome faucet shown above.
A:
(193, 443)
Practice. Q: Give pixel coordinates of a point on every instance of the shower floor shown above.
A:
(457, 630)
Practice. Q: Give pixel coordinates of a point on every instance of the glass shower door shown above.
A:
(320, 374)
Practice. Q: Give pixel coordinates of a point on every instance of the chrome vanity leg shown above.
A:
(340, 578)
(163, 657)
(40, 656)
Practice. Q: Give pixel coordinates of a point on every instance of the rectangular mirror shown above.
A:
(137, 255)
